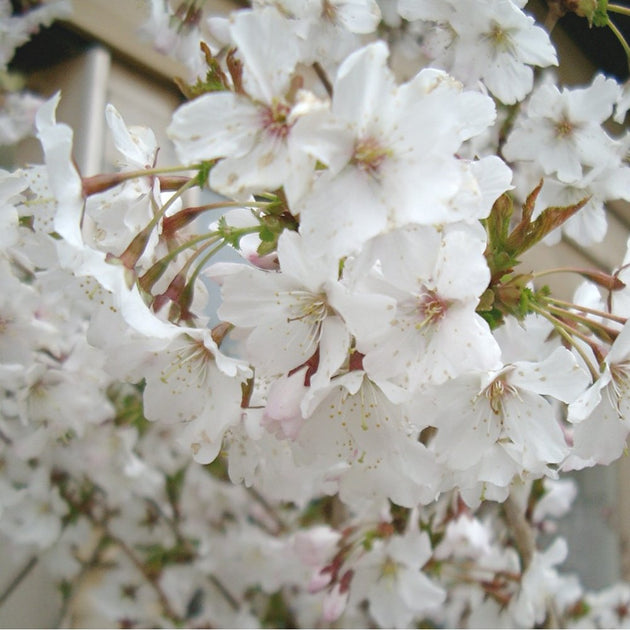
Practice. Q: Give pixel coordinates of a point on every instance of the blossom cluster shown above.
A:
(371, 426)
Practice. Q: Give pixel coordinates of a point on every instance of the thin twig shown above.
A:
(323, 77)
(231, 600)
(18, 579)
(151, 579)
(281, 526)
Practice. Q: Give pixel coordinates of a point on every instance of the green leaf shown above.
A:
(505, 247)
(526, 235)
(498, 223)
(215, 81)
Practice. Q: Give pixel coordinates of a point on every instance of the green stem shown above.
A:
(211, 253)
(159, 171)
(204, 260)
(617, 8)
(188, 244)
(620, 37)
(603, 332)
(561, 329)
(156, 271)
(546, 272)
(186, 296)
(585, 309)
(172, 199)
(135, 249)
(104, 181)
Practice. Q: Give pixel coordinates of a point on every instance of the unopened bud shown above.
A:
(319, 581)
(136, 248)
(605, 280)
(593, 10)
(585, 8)
(101, 182)
(334, 604)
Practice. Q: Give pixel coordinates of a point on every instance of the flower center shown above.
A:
(496, 391)
(369, 155)
(192, 358)
(620, 384)
(431, 308)
(275, 119)
(499, 38)
(389, 568)
(564, 128)
(310, 307)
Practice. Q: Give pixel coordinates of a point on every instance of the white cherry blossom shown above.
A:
(292, 312)
(380, 138)
(506, 408)
(251, 131)
(496, 43)
(368, 444)
(561, 129)
(601, 416)
(389, 576)
(434, 334)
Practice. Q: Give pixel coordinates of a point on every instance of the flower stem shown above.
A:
(560, 328)
(136, 248)
(605, 333)
(585, 309)
(223, 243)
(617, 8)
(104, 181)
(619, 36)
(600, 278)
(156, 271)
(546, 272)
(183, 217)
